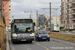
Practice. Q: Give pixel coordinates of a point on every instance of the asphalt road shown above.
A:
(41, 45)
(71, 33)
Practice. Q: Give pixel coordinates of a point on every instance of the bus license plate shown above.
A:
(23, 40)
(43, 38)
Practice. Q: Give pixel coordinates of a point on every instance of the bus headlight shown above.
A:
(14, 35)
(39, 36)
(48, 36)
(32, 34)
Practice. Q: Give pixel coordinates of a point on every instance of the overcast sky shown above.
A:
(20, 6)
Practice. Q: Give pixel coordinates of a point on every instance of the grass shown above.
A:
(63, 36)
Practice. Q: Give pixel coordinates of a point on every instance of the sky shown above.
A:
(21, 6)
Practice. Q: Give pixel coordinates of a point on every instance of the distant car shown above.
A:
(42, 35)
(9, 30)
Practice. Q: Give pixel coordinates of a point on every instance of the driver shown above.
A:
(16, 29)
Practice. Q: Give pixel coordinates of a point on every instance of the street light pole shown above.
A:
(50, 16)
(37, 18)
(30, 16)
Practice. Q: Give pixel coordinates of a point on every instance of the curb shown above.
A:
(7, 42)
(63, 42)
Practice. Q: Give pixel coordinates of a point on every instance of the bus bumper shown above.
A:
(23, 39)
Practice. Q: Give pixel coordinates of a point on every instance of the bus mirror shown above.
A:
(11, 25)
(34, 24)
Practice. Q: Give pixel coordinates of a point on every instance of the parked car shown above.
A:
(42, 35)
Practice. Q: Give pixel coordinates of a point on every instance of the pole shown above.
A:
(30, 15)
(56, 18)
(37, 18)
(50, 16)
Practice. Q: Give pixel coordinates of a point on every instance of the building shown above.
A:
(35, 20)
(7, 12)
(42, 19)
(54, 20)
(46, 16)
(68, 13)
(0, 6)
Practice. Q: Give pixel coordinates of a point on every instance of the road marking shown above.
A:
(42, 46)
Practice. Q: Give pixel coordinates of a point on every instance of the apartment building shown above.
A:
(0, 6)
(7, 12)
(68, 13)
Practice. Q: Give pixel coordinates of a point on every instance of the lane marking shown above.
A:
(42, 46)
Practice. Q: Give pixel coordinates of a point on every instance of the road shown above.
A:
(41, 45)
(71, 33)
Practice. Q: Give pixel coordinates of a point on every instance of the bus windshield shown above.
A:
(23, 27)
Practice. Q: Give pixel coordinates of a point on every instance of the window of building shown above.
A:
(9, 9)
(0, 2)
(3, 5)
(3, 2)
(10, 20)
(0, 6)
(9, 6)
(3, 9)
(0, 9)
(10, 23)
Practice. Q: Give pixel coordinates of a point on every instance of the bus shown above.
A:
(22, 30)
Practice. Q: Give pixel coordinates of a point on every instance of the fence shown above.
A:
(2, 32)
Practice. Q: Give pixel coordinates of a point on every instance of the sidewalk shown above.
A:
(63, 42)
(7, 42)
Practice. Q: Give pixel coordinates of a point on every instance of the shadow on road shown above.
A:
(18, 43)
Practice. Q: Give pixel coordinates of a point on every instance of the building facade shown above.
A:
(0, 6)
(68, 14)
(54, 20)
(7, 12)
(41, 20)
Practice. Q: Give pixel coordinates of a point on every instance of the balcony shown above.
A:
(73, 21)
(68, 3)
(73, 1)
(72, 18)
(73, 13)
(72, 7)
